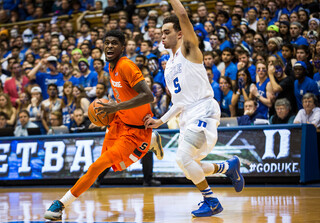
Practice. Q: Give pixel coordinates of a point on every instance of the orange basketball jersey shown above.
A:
(126, 75)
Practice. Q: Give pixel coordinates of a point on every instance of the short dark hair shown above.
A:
(142, 56)
(289, 46)
(99, 60)
(236, 15)
(52, 85)
(228, 49)
(24, 111)
(173, 19)
(103, 84)
(148, 42)
(97, 48)
(117, 34)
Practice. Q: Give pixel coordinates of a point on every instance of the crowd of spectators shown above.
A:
(262, 59)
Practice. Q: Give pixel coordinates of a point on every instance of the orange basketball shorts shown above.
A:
(125, 145)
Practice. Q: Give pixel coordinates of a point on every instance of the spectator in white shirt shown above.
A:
(310, 112)
(21, 130)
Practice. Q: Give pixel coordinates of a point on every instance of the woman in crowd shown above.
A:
(6, 107)
(284, 17)
(284, 31)
(81, 100)
(262, 27)
(262, 91)
(30, 58)
(241, 92)
(294, 17)
(225, 104)
(288, 55)
(68, 104)
(76, 54)
(160, 103)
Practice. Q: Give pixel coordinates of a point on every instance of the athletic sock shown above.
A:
(223, 167)
(207, 192)
(68, 198)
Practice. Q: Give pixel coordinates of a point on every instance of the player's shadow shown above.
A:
(208, 220)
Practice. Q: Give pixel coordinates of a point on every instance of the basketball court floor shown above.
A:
(171, 204)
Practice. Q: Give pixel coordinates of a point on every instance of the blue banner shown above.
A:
(263, 152)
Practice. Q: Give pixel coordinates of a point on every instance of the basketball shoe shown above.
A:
(54, 212)
(209, 206)
(234, 173)
(156, 146)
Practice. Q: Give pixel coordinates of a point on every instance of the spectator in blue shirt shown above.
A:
(316, 76)
(209, 62)
(250, 113)
(303, 84)
(262, 91)
(88, 79)
(291, 6)
(226, 96)
(244, 62)
(295, 32)
(230, 68)
(44, 79)
(222, 36)
(214, 84)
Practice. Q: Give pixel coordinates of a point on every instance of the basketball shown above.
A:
(99, 120)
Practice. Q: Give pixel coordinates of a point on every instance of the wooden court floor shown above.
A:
(164, 204)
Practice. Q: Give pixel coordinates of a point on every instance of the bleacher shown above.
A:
(94, 17)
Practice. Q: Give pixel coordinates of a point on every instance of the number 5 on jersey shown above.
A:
(176, 85)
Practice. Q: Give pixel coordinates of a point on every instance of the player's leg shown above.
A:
(100, 178)
(155, 145)
(231, 168)
(189, 148)
(84, 183)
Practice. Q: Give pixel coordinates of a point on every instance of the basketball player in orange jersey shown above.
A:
(126, 140)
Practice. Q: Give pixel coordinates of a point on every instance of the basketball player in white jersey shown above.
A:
(192, 98)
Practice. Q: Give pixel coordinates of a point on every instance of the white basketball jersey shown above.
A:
(187, 82)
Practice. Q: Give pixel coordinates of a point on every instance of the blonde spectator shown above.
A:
(6, 107)
(81, 99)
(76, 54)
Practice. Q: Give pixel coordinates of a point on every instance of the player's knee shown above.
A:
(182, 164)
(183, 159)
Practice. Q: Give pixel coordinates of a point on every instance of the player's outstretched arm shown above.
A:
(150, 122)
(190, 45)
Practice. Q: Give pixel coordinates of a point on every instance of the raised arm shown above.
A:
(190, 45)
(32, 73)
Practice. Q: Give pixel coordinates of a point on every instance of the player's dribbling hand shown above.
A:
(107, 108)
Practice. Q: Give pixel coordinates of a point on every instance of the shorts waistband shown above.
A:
(136, 126)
